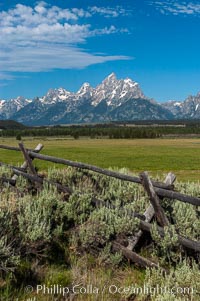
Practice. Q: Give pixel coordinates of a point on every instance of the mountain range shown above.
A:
(112, 100)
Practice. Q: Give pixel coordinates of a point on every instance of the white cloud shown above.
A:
(43, 57)
(177, 8)
(43, 38)
(6, 76)
(109, 12)
(109, 30)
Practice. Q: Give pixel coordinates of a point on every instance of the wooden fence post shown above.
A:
(149, 214)
(28, 159)
(154, 199)
(37, 149)
(134, 257)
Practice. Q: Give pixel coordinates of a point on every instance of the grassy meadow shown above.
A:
(50, 238)
(157, 156)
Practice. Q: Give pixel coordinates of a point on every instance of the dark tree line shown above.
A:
(92, 132)
(111, 131)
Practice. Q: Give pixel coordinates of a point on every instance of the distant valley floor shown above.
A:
(158, 156)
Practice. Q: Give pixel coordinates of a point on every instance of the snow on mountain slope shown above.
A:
(115, 91)
(112, 99)
(188, 109)
(9, 108)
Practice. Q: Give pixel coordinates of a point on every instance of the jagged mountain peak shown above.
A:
(55, 95)
(112, 79)
(18, 98)
(111, 76)
(128, 81)
(57, 91)
(8, 108)
(188, 109)
(109, 80)
(85, 92)
(85, 88)
(112, 99)
(116, 91)
(193, 97)
(2, 102)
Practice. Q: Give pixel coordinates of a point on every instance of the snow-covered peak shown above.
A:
(129, 82)
(2, 102)
(112, 76)
(85, 92)
(59, 91)
(84, 88)
(10, 107)
(18, 102)
(178, 104)
(85, 85)
(55, 95)
(110, 79)
(115, 91)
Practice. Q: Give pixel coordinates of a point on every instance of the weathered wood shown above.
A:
(143, 225)
(185, 242)
(7, 180)
(149, 214)
(28, 159)
(170, 179)
(94, 201)
(162, 192)
(106, 172)
(133, 240)
(11, 166)
(37, 179)
(37, 149)
(134, 257)
(11, 184)
(154, 199)
(15, 148)
(10, 147)
(160, 188)
(174, 195)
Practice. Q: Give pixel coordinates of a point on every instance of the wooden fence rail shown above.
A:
(154, 189)
(162, 189)
(99, 170)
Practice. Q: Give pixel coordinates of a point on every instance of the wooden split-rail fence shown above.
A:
(155, 190)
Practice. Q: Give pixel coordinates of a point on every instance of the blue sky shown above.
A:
(63, 43)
